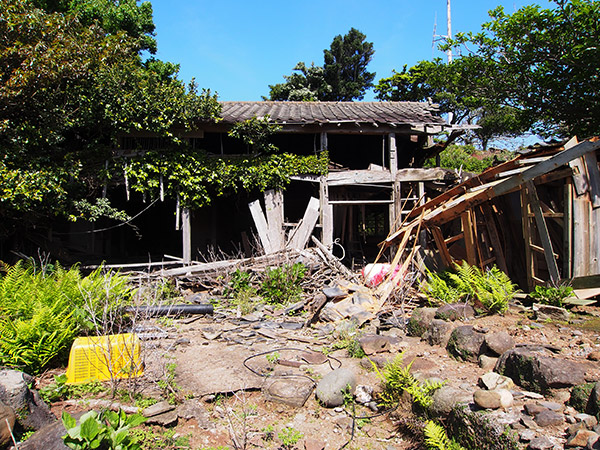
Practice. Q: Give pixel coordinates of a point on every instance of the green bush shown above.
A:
(43, 310)
(467, 158)
(281, 285)
(551, 295)
(492, 288)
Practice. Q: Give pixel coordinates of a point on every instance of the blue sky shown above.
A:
(237, 48)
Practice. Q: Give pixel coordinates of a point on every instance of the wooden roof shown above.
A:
(320, 113)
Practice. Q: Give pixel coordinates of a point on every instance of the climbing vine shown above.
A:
(198, 177)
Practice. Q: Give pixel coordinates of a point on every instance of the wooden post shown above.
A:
(326, 213)
(466, 219)
(568, 230)
(526, 226)
(393, 151)
(186, 235)
(591, 166)
(543, 231)
(274, 213)
(581, 235)
(395, 211)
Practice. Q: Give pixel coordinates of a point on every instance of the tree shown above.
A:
(66, 91)
(544, 63)
(343, 77)
(346, 66)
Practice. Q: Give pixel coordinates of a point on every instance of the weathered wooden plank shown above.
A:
(274, 213)
(261, 225)
(186, 235)
(326, 214)
(349, 177)
(594, 265)
(393, 154)
(494, 237)
(526, 227)
(307, 224)
(581, 236)
(543, 231)
(568, 231)
(438, 237)
(331, 259)
(435, 174)
(591, 166)
(466, 219)
(361, 202)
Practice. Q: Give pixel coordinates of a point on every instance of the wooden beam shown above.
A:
(497, 247)
(186, 235)
(526, 227)
(543, 231)
(435, 174)
(326, 214)
(581, 236)
(350, 177)
(568, 230)
(591, 166)
(360, 202)
(438, 237)
(393, 152)
(307, 224)
(261, 225)
(466, 218)
(274, 216)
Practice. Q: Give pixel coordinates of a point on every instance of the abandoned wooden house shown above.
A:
(374, 148)
(537, 217)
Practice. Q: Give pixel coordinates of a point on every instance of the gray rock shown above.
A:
(419, 321)
(526, 435)
(532, 408)
(7, 423)
(465, 343)
(330, 390)
(541, 443)
(487, 362)
(164, 420)
(334, 292)
(47, 438)
(500, 342)
(544, 312)
(535, 369)
(289, 391)
(438, 332)
(193, 409)
(374, 343)
(581, 438)
(548, 418)
(446, 398)
(157, 408)
(31, 411)
(500, 398)
(363, 394)
(455, 311)
(587, 419)
(493, 380)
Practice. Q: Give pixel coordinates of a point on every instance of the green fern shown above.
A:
(436, 438)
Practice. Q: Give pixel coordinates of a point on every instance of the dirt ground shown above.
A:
(212, 357)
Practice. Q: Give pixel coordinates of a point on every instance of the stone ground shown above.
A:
(226, 400)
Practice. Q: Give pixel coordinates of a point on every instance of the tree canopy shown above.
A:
(343, 76)
(66, 90)
(536, 69)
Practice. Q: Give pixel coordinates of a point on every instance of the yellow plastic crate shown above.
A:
(104, 358)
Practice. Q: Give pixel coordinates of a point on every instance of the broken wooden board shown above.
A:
(261, 225)
(302, 233)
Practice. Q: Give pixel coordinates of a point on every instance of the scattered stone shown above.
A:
(164, 420)
(594, 355)
(374, 343)
(544, 312)
(419, 321)
(438, 332)
(581, 438)
(446, 398)
(183, 341)
(193, 409)
(363, 394)
(31, 411)
(7, 423)
(158, 408)
(334, 292)
(532, 395)
(493, 380)
(289, 391)
(532, 408)
(344, 423)
(313, 444)
(541, 443)
(48, 437)
(455, 311)
(500, 398)
(465, 343)
(548, 418)
(534, 369)
(528, 422)
(330, 390)
(526, 435)
(314, 357)
(587, 419)
(552, 406)
(500, 342)
(487, 362)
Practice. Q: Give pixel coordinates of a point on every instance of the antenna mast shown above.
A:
(449, 36)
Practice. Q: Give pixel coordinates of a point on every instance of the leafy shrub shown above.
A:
(106, 431)
(551, 295)
(467, 158)
(43, 310)
(492, 288)
(289, 437)
(60, 390)
(436, 438)
(281, 285)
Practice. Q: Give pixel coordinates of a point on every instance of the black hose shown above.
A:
(170, 310)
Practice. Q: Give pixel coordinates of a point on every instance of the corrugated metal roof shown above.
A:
(398, 113)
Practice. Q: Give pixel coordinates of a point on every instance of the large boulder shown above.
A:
(466, 343)
(535, 368)
(455, 311)
(7, 423)
(445, 399)
(331, 388)
(498, 343)
(419, 321)
(31, 411)
(438, 332)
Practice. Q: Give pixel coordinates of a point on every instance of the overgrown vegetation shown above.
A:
(489, 289)
(43, 309)
(467, 159)
(436, 438)
(552, 295)
(105, 431)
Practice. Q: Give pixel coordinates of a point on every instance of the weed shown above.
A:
(289, 437)
(552, 295)
(163, 439)
(347, 339)
(167, 384)
(281, 285)
(60, 390)
(436, 438)
(273, 357)
(268, 433)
